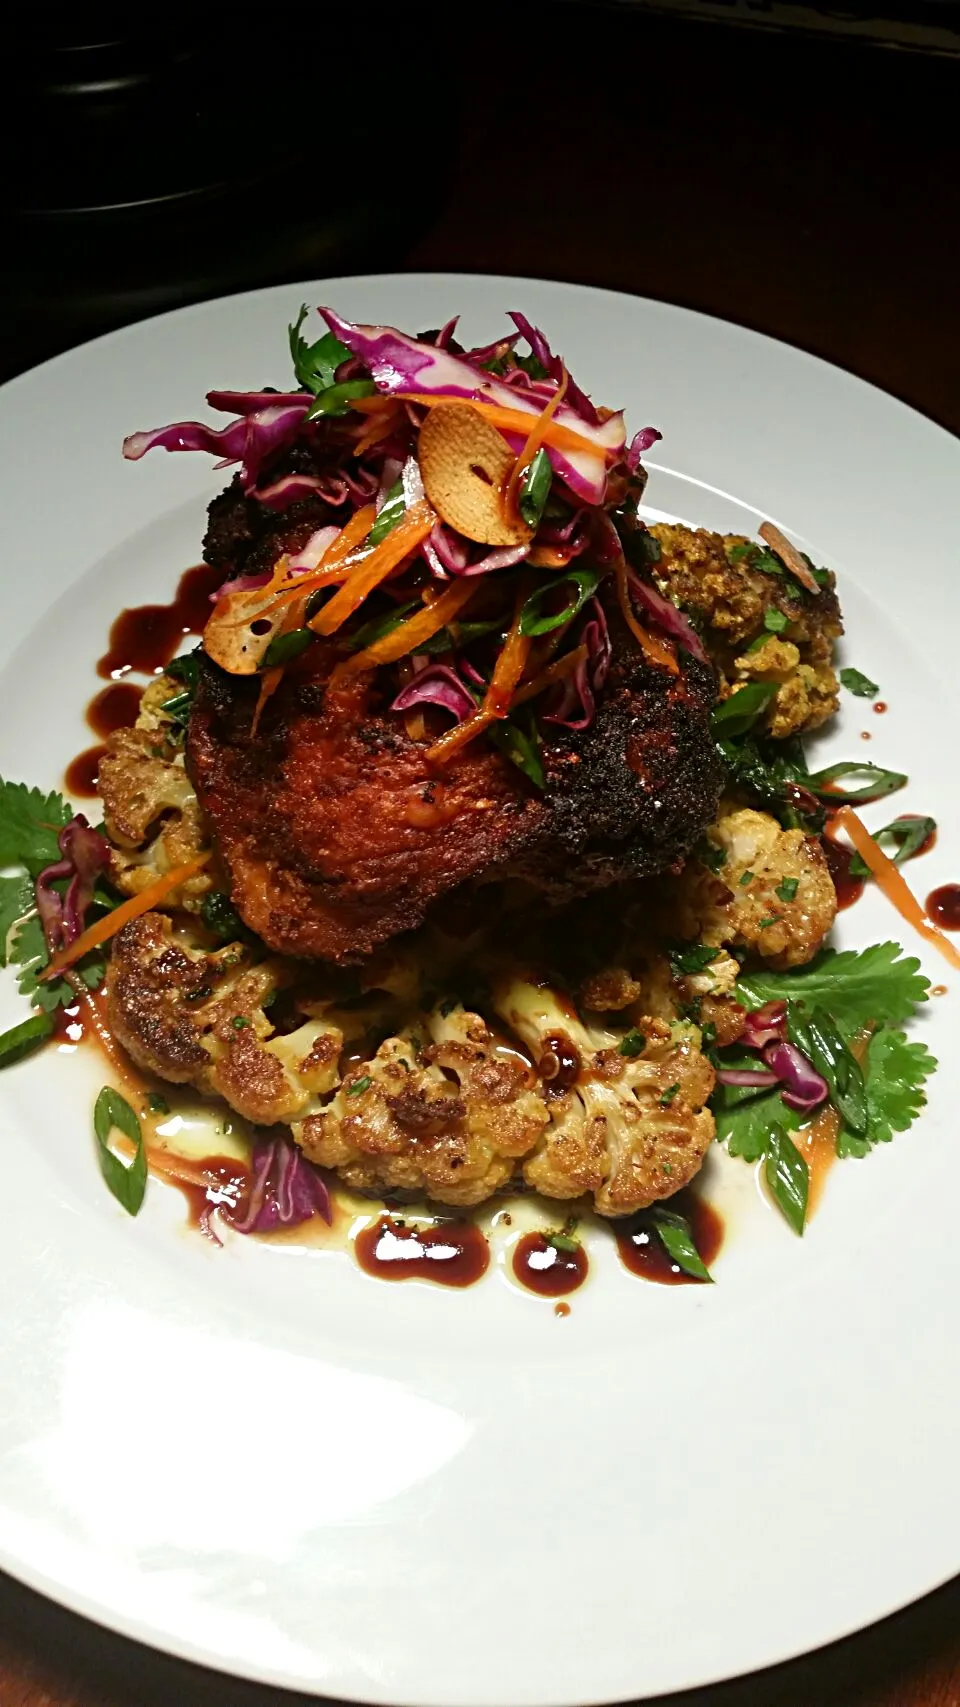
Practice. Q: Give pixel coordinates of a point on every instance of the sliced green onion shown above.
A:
(22, 1039)
(522, 749)
(582, 584)
(336, 399)
(817, 1036)
(284, 647)
(126, 1180)
(774, 620)
(378, 626)
(393, 507)
(879, 782)
(676, 1237)
(787, 1177)
(534, 489)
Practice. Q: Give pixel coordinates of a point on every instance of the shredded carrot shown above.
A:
(333, 565)
(654, 649)
(892, 882)
(535, 438)
(107, 927)
(548, 557)
(381, 426)
(269, 683)
(412, 528)
(412, 633)
(509, 667)
(797, 565)
(555, 672)
(508, 420)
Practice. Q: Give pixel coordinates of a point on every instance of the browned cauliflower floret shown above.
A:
(447, 1120)
(772, 895)
(628, 1128)
(755, 625)
(199, 1018)
(150, 810)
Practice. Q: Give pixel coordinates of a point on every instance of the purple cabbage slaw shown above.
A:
(285, 1190)
(764, 1034)
(85, 856)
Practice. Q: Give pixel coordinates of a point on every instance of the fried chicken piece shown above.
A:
(715, 578)
(771, 896)
(630, 1130)
(199, 1018)
(337, 832)
(448, 1120)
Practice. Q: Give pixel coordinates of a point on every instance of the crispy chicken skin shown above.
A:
(337, 833)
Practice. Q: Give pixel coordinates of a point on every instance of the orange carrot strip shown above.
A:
(333, 562)
(892, 883)
(654, 649)
(269, 683)
(555, 672)
(412, 633)
(797, 565)
(509, 668)
(399, 542)
(107, 927)
(381, 426)
(508, 420)
(547, 557)
(535, 438)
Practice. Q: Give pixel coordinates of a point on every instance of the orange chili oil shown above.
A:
(642, 1252)
(452, 1253)
(542, 1268)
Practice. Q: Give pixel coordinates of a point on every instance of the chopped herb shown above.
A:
(561, 1242)
(359, 1085)
(126, 1180)
(667, 1167)
(522, 748)
(879, 782)
(178, 708)
(535, 489)
(632, 1045)
(774, 621)
(378, 626)
(285, 647)
(676, 1236)
(787, 1177)
(579, 586)
(221, 917)
(200, 994)
(186, 668)
(708, 1034)
(239, 1022)
(692, 960)
(745, 879)
(740, 712)
(773, 919)
(315, 365)
(710, 855)
(336, 400)
(857, 683)
(787, 890)
(24, 1038)
(668, 1095)
(393, 508)
(908, 835)
(156, 1103)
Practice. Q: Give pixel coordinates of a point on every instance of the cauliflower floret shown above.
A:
(198, 1018)
(151, 813)
(630, 1128)
(772, 895)
(446, 1120)
(716, 579)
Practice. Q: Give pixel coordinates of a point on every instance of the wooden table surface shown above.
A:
(805, 189)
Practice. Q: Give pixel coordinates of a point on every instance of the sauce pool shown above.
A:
(452, 1253)
(80, 776)
(146, 637)
(542, 1268)
(839, 860)
(642, 1252)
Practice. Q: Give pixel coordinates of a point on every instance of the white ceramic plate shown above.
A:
(263, 1459)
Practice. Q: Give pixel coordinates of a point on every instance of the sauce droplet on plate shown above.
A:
(839, 859)
(542, 1268)
(146, 637)
(80, 776)
(943, 906)
(453, 1253)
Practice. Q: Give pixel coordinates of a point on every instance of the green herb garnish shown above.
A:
(786, 890)
(632, 1045)
(908, 836)
(393, 508)
(668, 1095)
(285, 647)
(359, 1085)
(378, 626)
(710, 855)
(676, 1237)
(816, 1034)
(879, 782)
(857, 988)
(156, 1103)
(857, 683)
(787, 1177)
(521, 748)
(579, 585)
(740, 712)
(221, 917)
(24, 1038)
(692, 960)
(745, 879)
(535, 489)
(126, 1180)
(774, 621)
(240, 1022)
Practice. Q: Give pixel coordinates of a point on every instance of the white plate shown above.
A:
(263, 1459)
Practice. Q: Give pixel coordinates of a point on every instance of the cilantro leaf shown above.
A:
(16, 898)
(734, 716)
(689, 961)
(29, 825)
(774, 621)
(857, 683)
(747, 1127)
(855, 987)
(894, 1070)
(29, 951)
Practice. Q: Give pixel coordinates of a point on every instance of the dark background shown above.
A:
(791, 179)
